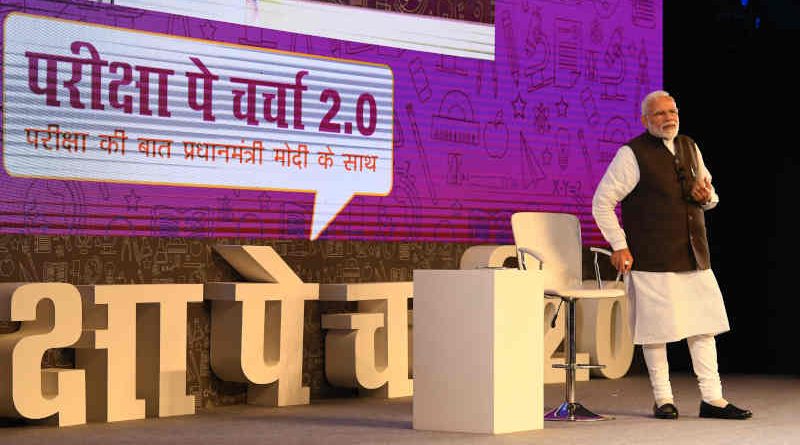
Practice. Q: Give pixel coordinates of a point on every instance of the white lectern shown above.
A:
(478, 350)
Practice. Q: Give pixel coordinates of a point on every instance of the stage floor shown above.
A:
(774, 400)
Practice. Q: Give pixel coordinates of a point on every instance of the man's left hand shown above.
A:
(701, 191)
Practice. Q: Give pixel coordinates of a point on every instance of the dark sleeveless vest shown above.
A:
(664, 226)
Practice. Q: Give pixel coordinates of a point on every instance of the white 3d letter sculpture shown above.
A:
(604, 332)
(26, 390)
(124, 381)
(257, 328)
(602, 326)
(369, 349)
(553, 341)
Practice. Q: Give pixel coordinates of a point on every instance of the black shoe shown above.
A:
(665, 411)
(729, 412)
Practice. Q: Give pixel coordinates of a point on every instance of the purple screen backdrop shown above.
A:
(474, 141)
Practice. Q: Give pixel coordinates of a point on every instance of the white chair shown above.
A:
(554, 239)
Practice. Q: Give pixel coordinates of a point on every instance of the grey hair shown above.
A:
(651, 97)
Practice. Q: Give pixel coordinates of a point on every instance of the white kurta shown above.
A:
(664, 306)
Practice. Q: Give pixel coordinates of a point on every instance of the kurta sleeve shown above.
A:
(619, 180)
(704, 173)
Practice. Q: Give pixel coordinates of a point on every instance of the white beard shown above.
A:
(662, 132)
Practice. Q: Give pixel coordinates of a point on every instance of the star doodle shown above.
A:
(519, 105)
(132, 201)
(561, 107)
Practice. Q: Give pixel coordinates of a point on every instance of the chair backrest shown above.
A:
(556, 239)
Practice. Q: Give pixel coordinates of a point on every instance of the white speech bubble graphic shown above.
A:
(97, 103)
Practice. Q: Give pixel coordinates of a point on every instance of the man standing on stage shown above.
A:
(664, 187)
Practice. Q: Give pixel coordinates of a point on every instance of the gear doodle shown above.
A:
(541, 119)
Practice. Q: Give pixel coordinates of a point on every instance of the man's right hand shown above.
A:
(622, 260)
